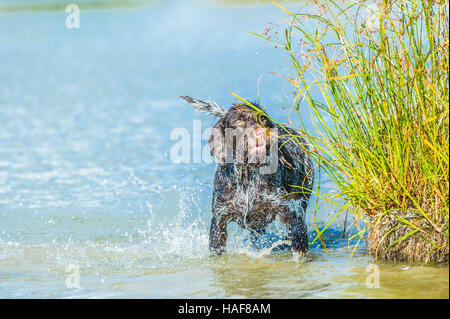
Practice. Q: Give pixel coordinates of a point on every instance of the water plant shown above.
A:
(373, 75)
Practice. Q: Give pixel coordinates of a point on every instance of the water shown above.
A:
(86, 178)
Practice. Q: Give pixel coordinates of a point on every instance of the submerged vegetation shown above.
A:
(381, 119)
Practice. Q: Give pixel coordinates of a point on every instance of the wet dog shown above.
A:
(264, 172)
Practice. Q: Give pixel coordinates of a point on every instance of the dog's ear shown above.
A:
(285, 158)
(216, 142)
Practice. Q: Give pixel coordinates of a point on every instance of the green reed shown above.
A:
(381, 121)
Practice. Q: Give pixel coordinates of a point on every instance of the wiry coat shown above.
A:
(245, 195)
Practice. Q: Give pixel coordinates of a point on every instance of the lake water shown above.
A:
(86, 177)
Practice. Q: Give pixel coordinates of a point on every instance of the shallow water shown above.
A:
(86, 177)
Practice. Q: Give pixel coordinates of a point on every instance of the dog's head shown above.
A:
(242, 135)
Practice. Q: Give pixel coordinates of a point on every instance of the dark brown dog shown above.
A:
(260, 165)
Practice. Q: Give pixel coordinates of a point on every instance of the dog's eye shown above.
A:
(264, 120)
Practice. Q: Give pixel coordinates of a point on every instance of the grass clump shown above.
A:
(374, 77)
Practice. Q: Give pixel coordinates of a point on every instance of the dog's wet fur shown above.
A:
(245, 195)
